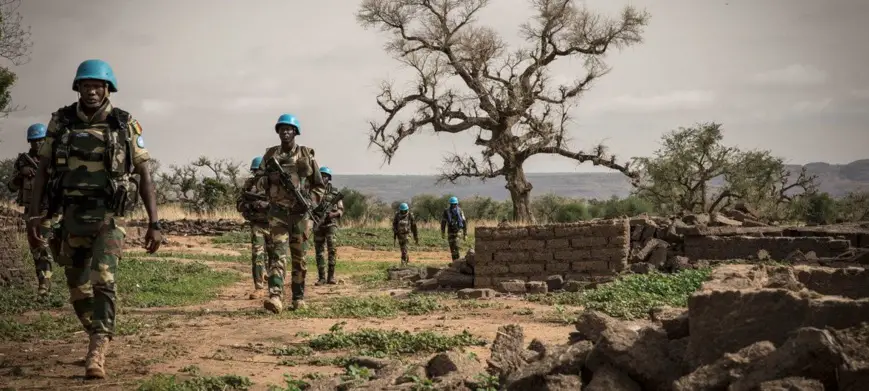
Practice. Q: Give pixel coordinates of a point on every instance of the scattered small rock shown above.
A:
(479, 293)
(536, 287)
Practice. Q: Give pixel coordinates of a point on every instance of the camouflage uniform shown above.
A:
(453, 221)
(256, 213)
(80, 150)
(287, 224)
(404, 224)
(42, 255)
(324, 239)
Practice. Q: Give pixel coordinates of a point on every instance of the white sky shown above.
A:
(211, 77)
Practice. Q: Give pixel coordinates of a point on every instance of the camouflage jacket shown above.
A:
(338, 208)
(21, 184)
(252, 208)
(304, 171)
(403, 223)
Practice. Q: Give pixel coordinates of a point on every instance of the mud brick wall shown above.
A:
(747, 247)
(576, 251)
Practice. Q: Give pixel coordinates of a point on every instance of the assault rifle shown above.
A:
(27, 160)
(303, 204)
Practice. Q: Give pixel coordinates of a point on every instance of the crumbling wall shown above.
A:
(12, 268)
(747, 247)
(576, 251)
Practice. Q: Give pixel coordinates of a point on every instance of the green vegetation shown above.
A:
(378, 343)
(631, 297)
(161, 382)
(155, 283)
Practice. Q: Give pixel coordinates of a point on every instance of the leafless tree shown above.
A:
(15, 47)
(505, 96)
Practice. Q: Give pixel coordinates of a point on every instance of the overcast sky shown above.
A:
(212, 76)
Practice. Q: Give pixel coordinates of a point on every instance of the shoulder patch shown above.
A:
(136, 127)
(140, 142)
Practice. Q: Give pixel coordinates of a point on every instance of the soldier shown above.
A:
(91, 149)
(325, 235)
(403, 224)
(254, 207)
(287, 224)
(22, 183)
(454, 221)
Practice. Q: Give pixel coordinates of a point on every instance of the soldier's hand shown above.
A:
(153, 239)
(29, 172)
(34, 237)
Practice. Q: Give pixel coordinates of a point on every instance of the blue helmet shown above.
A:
(289, 119)
(96, 70)
(256, 162)
(36, 132)
(403, 207)
(454, 201)
(325, 170)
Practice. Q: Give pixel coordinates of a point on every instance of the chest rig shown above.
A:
(403, 222)
(113, 154)
(297, 163)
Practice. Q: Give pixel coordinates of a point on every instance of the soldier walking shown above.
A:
(403, 224)
(254, 207)
(91, 149)
(324, 237)
(452, 222)
(22, 183)
(287, 223)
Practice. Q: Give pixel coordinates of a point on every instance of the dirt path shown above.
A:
(227, 336)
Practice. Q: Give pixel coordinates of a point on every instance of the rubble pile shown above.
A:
(197, 227)
(748, 328)
(457, 275)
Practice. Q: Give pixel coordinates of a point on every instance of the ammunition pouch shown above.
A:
(119, 196)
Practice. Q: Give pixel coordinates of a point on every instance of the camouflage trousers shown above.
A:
(257, 255)
(402, 245)
(89, 253)
(324, 239)
(42, 257)
(289, 235)
(453, 239)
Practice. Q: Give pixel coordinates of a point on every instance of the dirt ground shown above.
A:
(209, 337)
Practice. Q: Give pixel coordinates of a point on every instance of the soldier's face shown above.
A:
(92, 92)
(287, 133)
(35, 144)
(326, 178)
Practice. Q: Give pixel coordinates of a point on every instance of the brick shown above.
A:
(618, 266)
(542, 232)
(510, 233)
(557, 267)
(526, 268)
(609, 254)
(590, 266)
(618, 241)
(542, 256)
(511, 256)
(527, 244)
(513, 286)
(491, 245)
(588, 242)
(599, 277)
(483, 257)
(572, 255)
(471, 293)
(558, 243)
(614, 228)
(482, 282)
(536, 287)
(554, 282)
(491, 270)
(483, 232)
(572, 230)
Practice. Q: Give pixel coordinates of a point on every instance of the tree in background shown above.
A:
(467, 79)
(204, 185)
(15, 47)
(694, 172)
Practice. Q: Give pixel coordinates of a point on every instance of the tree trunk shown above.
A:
(520, 194)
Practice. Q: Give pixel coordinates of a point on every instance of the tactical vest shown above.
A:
(92, 159)
(298, 164)
(247, 208)
(330, 193)
(454, 219)
(26, 189)
(403, 223)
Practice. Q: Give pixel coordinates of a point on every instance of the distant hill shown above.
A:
(835, 179)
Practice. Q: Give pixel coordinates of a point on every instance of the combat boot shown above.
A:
(274, 304)
(299, 305)
(321, 276)
(44, 288)
(331, 277)
(95, 360)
